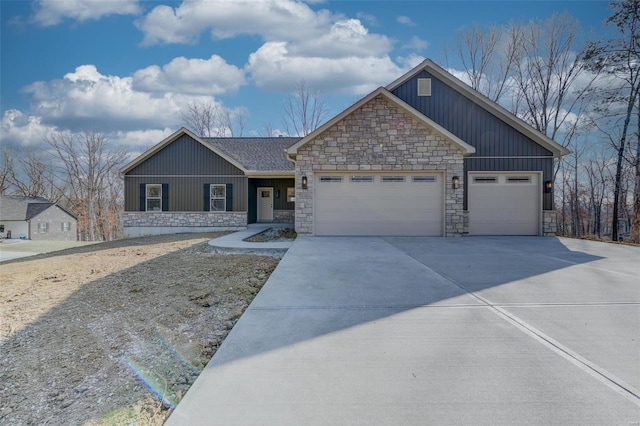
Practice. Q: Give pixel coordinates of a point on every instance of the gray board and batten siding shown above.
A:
(185, 165)
(492, 137)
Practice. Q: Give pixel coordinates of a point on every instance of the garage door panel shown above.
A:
(508, 206)
(404, 207)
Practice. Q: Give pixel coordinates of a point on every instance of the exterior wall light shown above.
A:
(304, 182)
(277, 193)
(548, 186)
(455, 182)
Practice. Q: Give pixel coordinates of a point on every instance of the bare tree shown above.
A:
(6, 170)
(304, 110)
(620, 58)
(488, 56)
(209, 119)
(87, 165)
(29, 175)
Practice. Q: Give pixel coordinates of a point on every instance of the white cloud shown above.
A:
(23, 130)
(86, 98)
(49, 13)
(273, 67)
(416, 43)
(368, 18)
(345, 38)
(405, 20)
(20, 130)
(271, 19)
(211, 76)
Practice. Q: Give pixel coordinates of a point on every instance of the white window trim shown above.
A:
(147, 197)
(43, 227)
(213, 197)
(65, 227)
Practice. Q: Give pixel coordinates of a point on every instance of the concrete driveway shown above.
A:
(415, 331)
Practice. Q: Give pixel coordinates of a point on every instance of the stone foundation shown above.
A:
(157, 223)
(549, 223)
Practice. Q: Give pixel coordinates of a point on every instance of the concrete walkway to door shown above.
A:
(416, 331)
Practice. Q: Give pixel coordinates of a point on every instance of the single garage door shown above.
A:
(379, 204)
(504, 204)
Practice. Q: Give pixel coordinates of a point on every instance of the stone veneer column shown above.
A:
(549, 223)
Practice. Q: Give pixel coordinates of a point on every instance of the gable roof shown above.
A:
(381, 91)
(254, 156)
(258, 156)
(484, 102)
(14, 207)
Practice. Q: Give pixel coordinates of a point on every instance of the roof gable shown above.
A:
(169, 140)
(483, 102)
(381, 91)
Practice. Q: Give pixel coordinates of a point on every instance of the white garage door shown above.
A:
(504, 204)
(379, 204)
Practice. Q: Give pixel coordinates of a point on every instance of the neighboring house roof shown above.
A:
(254, 156)
(381, 91)
(258, 156)
(484, 102)
(13, 207)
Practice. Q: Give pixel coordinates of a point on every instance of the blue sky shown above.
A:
(127, 68)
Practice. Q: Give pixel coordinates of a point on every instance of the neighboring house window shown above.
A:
(66, 226)
(291, 195)
(154, 198)
(43, 227)
(218, 198)
(1, 228)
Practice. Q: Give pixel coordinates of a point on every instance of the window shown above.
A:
(1, 228)
(392, 178)
(291, 195)
(218, 198)
(361, 178)
(519, 179)
(43, 227)
(154, 197)
(424, 178)
(485, 179)
(330, 178)
(65, 226)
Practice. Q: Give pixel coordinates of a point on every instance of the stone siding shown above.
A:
(184, 219)
(379, 136)
(284, 216)
(549, 223)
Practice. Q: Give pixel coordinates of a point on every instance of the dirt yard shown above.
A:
(116, 333)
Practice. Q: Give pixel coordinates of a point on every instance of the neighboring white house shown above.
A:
(35, 218)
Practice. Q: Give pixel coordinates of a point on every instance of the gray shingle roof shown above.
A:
(258, 154)
(22, 208)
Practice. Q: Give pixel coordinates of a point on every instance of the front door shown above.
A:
(265, 204)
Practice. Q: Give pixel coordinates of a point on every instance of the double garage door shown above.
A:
(379, 204)
(409, 204)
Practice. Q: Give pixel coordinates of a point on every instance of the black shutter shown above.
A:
(165, 197)
(207, 197)
(143, 197)
(229, 197)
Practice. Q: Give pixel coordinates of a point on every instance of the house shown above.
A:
(35, 218)
(187, 183)
(425, 155)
